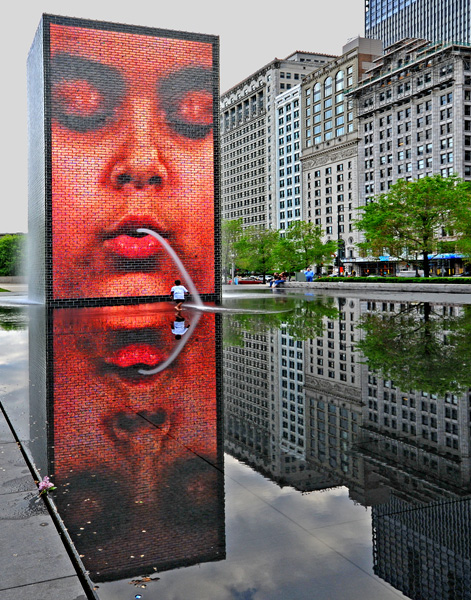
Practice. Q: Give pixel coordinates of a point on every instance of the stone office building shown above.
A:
(414, 118)
(249, 126)
(330, 139)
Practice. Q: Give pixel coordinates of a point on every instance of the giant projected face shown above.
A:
(132, 147)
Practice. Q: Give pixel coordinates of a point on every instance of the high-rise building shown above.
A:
(288, 181)
(414, 118)
(329, 132)
(249, 132)
(433, 20)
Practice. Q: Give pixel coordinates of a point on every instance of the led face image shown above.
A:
(135, 452)
(132, 147)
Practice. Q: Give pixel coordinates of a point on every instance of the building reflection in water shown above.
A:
(317, 409)
(135, 455)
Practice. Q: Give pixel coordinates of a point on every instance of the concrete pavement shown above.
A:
(34, 562)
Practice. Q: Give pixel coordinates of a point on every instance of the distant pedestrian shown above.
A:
(179, 292)
(236, 280)
(309, 274)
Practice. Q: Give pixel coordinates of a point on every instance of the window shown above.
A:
(446, 99)
(446, 113)
(328, 87)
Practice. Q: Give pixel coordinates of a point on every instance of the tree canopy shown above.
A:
(12, 248)
(412, 216)
(302, 246)
(255, 249)
(265, 250)
(231, 233)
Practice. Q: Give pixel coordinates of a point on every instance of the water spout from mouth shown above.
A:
(178, 263)
(193, 291)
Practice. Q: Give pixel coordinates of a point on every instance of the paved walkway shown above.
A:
(34, 562)
(20, 289)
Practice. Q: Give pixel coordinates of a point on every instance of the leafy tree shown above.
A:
(419, 349)
(255, 250)
(463, 243)
(409, 218)
(12, 248)
(231, 233)
(302, 246)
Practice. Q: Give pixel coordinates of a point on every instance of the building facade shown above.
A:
(433, 20)
(414, 119)
(288, 206)
(249, 133)
(330, 140)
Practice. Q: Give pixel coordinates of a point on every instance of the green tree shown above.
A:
(255, 250)
(463, 243)
(302, 246)
(409, 219)
(12, 248)
(231, 234)
(419, 348)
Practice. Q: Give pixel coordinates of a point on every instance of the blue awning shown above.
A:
(444, 256)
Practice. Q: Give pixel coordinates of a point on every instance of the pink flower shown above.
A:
(45, 485)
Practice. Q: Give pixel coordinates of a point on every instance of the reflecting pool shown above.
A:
(291, 446)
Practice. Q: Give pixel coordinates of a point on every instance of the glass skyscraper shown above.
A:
(434, 20)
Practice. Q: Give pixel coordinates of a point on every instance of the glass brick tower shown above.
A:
(433, 20)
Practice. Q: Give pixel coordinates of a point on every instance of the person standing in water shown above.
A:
(178, 292)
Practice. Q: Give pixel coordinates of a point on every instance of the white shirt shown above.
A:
(179, 292)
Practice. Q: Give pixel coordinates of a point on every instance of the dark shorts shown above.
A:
(179, 301)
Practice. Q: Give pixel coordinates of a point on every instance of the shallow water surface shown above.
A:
(297, 446)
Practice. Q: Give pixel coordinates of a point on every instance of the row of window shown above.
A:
(329, 84)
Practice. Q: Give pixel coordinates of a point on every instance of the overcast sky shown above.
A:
(252, 33)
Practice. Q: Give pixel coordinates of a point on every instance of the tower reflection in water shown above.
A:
(135, 456)
(379, 401)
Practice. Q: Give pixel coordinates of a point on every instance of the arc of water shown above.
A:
(194, 292)
(178, 263)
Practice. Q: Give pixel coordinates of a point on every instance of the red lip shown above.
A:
(132, 247)
(124, 241)
(136, 354)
